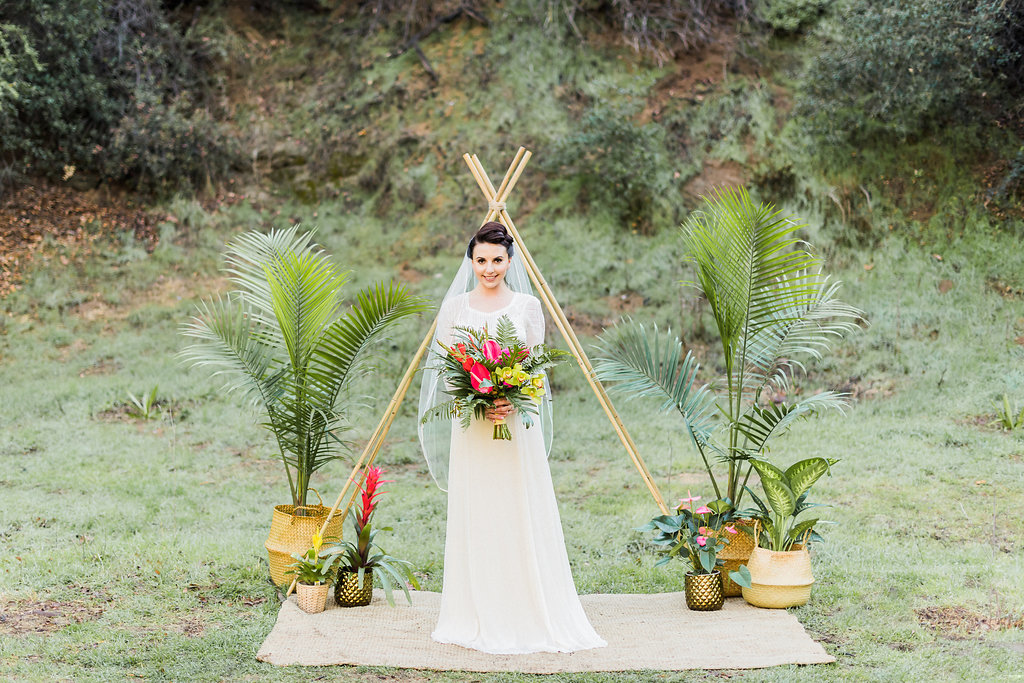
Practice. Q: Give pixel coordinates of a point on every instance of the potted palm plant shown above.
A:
(285, 338)
(773, 309)
(779, 568)
(362, 559)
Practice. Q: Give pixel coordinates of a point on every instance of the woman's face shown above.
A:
(490, 262)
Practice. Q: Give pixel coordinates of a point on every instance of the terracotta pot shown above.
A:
(312, 598)
(704, 591)
(348, 593)
(735, 554)
(291, 531)
(779, 579)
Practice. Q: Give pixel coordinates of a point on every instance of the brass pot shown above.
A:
(312, 598)
(704, 591)
(348, 593)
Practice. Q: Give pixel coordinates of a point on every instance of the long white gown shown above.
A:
(507, 584)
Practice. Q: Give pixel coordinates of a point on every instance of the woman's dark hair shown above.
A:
(491, 232)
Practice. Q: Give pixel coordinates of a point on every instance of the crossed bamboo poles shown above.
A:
(495, 209)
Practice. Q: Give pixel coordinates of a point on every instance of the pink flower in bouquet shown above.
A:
(478, 375)
(492, 351)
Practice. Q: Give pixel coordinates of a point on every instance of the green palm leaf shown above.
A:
(638, 364)
(758, 425)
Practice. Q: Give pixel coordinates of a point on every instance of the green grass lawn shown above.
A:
(134, 548)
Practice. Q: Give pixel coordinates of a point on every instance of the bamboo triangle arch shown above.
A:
(496, 210)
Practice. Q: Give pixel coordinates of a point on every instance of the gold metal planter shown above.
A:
(704, 591)
(347, 592)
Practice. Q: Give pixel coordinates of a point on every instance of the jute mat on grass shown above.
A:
(643, 632)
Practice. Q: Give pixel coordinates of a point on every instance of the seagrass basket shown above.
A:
(779, 579)
(291, 531)
(735, 554)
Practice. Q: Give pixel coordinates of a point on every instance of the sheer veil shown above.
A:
(435, 436)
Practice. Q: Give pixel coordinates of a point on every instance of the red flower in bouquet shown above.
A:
(480, 377)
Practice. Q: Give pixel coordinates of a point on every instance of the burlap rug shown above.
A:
(644, 632)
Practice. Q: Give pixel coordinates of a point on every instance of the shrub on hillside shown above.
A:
(107, 69)
(617, 163)
(899, 67)
(659, 28)
(791, 16)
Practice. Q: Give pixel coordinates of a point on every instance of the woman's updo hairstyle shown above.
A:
(491, 232)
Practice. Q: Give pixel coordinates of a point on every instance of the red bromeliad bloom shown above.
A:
(371, 491)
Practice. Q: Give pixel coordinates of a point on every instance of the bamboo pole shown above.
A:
(377, 439)
(558, 315)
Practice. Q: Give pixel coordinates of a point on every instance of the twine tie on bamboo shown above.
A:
(495, 206)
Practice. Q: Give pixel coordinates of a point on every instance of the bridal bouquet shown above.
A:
(480, 369)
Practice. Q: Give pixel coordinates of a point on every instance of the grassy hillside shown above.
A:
(135, 546)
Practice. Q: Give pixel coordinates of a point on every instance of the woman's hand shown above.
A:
(502, 410)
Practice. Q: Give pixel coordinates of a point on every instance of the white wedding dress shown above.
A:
(507, 584)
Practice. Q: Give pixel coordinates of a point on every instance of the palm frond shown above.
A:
(342, 346)
(638, 364)
(748, 268)
(758, 424)
(774, 349)
(230, 342)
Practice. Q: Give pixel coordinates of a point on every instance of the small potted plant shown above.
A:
(696, 536)
(780, 566)
(361, 559)
(312, 571)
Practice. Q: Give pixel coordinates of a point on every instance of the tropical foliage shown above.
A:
(283, 339)
(786, 493)
(314, 565)
(364, 555)
(772, 307)
(695, 535)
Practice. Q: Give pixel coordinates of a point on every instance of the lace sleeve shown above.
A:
(534, 322)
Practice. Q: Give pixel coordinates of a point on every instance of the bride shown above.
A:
(507, 585)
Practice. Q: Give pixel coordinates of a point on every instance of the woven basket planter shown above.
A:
(312, 598)
(291, 531)
(735, 554)
(779, 579)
